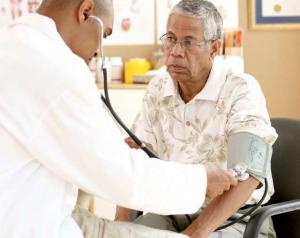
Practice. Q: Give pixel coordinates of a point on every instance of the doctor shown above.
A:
(56, 138)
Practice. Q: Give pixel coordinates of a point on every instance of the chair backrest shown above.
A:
(286, 174)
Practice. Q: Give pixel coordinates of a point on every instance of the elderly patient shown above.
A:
(191, 113)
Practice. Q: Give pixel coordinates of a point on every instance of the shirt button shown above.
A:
(188, 123)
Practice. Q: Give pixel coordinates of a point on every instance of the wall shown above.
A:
(271, 56)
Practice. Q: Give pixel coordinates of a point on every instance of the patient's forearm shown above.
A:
(221, 208)
(123, 214)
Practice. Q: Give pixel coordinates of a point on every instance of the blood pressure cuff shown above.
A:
(251, 150)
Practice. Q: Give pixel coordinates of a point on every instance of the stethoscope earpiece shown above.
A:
(86, 16)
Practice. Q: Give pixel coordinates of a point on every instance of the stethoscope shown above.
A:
(142, 145)
(106, 99)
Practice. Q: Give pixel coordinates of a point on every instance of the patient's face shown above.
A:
(187, 64)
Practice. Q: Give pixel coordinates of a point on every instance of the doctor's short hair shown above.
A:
(101, 7)
(205, 11)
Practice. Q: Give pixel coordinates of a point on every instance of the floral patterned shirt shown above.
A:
(197, 131)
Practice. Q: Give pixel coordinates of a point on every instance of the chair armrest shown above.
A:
(256, 221)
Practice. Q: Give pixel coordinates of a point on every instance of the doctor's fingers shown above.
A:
(228, 179)
(233, 179)
(218, 180)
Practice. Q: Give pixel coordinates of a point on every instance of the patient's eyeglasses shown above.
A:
(188, 45)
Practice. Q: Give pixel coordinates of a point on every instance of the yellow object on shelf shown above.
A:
(136, 67)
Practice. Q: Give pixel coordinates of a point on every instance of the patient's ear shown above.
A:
(215, 48)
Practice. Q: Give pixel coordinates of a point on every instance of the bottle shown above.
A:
(158, 59)
(100, 78)
(116, 69)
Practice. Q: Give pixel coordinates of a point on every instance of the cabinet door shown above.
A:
(126, 103)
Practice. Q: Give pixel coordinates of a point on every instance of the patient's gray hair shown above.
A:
(204, 10)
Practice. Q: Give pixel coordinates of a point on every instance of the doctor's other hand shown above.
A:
(218, 180)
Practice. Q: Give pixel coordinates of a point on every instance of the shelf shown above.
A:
(123, 86)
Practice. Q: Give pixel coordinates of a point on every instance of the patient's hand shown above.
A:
(218, 180)
(123, 214)
(130, 142)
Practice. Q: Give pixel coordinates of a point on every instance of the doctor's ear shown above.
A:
(86, 16)
(85, 10)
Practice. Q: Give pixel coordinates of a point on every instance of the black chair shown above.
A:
(284, 206)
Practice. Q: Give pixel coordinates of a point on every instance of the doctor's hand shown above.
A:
(218, 180)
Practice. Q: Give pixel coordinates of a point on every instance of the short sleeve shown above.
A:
(248, 112)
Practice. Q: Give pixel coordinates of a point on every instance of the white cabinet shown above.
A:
(126, 103)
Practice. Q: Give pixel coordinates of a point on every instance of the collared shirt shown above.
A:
(56, 137)
(197, 131)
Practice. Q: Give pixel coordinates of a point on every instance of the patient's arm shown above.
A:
(221, 208)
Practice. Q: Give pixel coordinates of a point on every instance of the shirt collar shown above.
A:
(215, 82)
(41, 23)
(213, 86)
